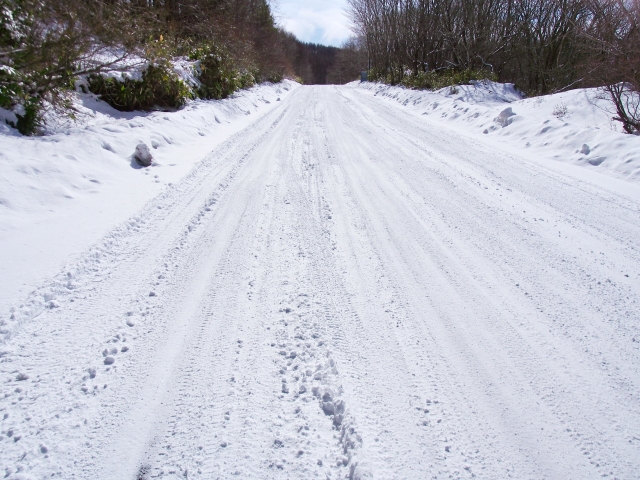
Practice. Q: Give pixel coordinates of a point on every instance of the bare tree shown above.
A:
(351, 59)
(535, 43)
(614, 35)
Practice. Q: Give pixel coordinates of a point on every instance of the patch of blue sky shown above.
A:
(315, 21)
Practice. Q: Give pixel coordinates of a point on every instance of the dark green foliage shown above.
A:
(216, 73)
(26, 107)
(274, 76)
(14, 23)
(10, 89)
(14, 96)
(16, 89)
(168, 90)
(30, 120)
(159, 87)
(248, 78)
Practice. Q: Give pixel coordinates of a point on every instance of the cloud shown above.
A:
(315, 21)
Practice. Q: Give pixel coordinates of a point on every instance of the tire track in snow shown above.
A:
(226, 429)
(310, 430)
(361, 173)
(150, 245)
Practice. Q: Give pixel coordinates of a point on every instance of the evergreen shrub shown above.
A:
(159, 87)
(217, 75)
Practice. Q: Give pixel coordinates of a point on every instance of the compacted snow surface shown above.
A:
(345, 288)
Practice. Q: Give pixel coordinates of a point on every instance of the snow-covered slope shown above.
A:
(574, 126)
(62, 192)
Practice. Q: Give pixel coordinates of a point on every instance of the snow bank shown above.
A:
(62, 192)
(574, 126)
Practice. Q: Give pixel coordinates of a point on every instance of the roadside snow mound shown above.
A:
(84, 155)
(574, 126)
(479, 93)
(62, 192)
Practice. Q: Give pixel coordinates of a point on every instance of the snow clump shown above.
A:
(143, 155)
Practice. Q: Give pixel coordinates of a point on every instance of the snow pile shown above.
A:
(574, 126)
(62, 192)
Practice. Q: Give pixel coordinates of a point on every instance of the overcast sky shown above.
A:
(315, 21)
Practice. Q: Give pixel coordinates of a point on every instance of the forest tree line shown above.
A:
(542, 46)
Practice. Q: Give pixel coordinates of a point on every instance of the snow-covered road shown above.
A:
(343, 290)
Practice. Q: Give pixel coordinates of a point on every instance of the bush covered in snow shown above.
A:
(15, 94)
(445, 78)
(158, 87)
(15, 97)
(215, 72)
